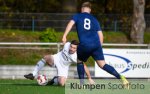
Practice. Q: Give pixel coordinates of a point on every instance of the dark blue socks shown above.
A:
(80, 69)
(111, 70)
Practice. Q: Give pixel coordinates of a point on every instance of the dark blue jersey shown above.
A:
(87, 28)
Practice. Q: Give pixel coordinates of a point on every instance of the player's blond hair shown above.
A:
(87, 4)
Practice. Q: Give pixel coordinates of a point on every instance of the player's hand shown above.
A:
(64, 39)
(91, 81)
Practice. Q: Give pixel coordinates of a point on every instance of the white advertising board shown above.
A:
(132, 63)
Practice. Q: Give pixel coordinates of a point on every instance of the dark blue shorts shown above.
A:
(84, 52)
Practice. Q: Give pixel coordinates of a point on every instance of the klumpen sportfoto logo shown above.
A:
(106, 86)
(128, 64)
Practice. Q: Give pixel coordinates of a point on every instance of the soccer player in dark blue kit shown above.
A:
(91, 39)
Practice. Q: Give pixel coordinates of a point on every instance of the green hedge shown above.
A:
(30, 57)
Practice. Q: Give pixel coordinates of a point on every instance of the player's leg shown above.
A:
(54, 80)
(62, 72)
(111, 70)
(49, 60)
(108, 68)
(81, 71)
(62, 80)
(62, 75)
(99, 58)
(82, 55)
(57, 80)
(40, 64)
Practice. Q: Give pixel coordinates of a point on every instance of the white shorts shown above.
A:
(62, 70)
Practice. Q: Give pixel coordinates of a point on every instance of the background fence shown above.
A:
(58, 21)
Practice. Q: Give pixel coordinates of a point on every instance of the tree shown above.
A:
(69, 6)
(138, 22)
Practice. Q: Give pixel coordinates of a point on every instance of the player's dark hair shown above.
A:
(87, 4)
(75, 42)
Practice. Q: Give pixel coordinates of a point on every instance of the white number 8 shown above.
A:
(87, 23)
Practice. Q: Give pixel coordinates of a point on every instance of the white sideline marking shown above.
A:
(16, 83)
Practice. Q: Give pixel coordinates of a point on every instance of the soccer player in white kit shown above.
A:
(62, 60)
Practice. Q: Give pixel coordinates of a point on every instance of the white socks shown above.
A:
(38, 67)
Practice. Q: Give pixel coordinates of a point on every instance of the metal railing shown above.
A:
(20, 45)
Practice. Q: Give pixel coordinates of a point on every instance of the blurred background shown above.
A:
(23, 21)
(114, 15)
(30, 29)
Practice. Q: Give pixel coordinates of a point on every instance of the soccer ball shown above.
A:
(42, 80)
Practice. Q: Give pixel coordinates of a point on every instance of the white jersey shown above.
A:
(62, 60)
(67, 58)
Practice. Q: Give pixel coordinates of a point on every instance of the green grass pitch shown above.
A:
(9, 86)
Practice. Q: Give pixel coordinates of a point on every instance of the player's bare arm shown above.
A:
(88, 75)
(68, 29)
(100, 34)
